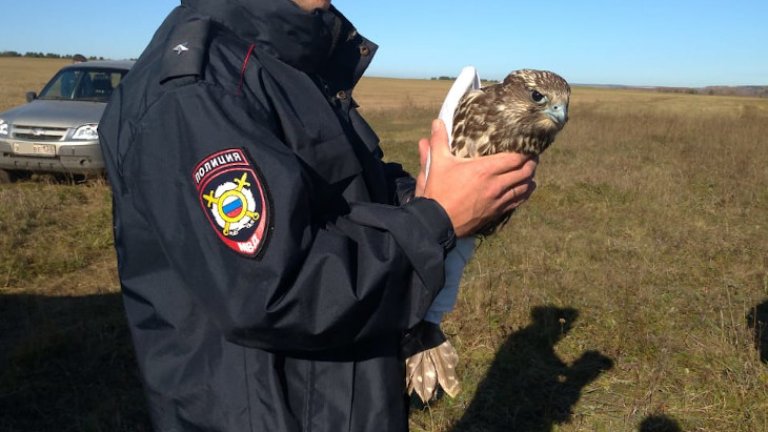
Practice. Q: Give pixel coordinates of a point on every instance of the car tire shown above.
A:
(6, 176)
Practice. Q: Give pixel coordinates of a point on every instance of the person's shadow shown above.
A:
(757, 319)
(659, 423)
(528, 387)
(67, 364)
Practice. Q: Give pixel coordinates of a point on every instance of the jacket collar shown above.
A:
(304, 40)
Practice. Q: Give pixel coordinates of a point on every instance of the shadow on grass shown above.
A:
(659, 423)
(50, 178)
(757, 319)
(66, 364)
(528, 387)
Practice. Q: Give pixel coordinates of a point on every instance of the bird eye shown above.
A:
(537, 97)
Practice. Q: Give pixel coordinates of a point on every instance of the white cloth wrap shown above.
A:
(465, 247)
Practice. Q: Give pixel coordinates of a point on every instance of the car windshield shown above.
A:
(86, 84)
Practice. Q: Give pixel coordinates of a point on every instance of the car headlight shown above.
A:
(3, 128)
(87, 132)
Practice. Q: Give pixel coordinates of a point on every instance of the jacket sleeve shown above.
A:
(319, 281)
(401, 183)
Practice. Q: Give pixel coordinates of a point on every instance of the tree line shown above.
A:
(452, 78)
(32, 54)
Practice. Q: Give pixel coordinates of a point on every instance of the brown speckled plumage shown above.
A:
(522, 114)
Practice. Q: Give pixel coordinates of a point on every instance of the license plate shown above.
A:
(30, 149)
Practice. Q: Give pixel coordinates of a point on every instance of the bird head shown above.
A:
(542, 100)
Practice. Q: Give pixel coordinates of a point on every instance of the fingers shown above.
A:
(521, 174)
(514, 182)
(507, 162)
(518, 195)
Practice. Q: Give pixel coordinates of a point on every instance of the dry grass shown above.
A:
(387, 94)
(648, 237)
(19, 75)
(617, 299)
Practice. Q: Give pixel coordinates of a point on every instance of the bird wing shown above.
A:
(469, 123)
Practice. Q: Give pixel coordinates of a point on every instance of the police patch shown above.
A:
(234, 199)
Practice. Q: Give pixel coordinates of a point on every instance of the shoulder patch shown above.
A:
(234, 198)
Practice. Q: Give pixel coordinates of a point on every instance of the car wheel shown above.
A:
(6, 176)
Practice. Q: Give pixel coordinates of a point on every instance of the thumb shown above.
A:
(421, 180)
(436, 145)
(438, 142)
(423, 152)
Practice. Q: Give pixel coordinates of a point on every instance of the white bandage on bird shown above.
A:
(522, 114)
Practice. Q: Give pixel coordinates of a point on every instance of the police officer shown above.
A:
(270, 264)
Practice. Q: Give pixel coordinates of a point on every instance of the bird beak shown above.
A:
(558, 114)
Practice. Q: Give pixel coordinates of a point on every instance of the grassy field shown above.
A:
(626, 295)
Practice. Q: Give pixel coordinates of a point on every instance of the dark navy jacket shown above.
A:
(268, 269)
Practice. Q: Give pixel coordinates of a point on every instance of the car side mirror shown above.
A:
(31, 96)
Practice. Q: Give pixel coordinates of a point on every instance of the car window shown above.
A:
(62, 86)
(91, 84)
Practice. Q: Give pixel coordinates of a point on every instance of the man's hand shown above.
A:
(473, 191)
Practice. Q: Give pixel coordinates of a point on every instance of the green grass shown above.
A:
(65, 356)
(651, 225)
(617, 299)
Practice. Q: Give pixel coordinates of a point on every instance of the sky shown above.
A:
(645, 43)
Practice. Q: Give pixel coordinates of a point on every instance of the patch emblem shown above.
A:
(234, 199)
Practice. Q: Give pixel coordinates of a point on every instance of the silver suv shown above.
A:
(57, 130)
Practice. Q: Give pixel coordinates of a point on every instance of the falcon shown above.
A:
(522, 114)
